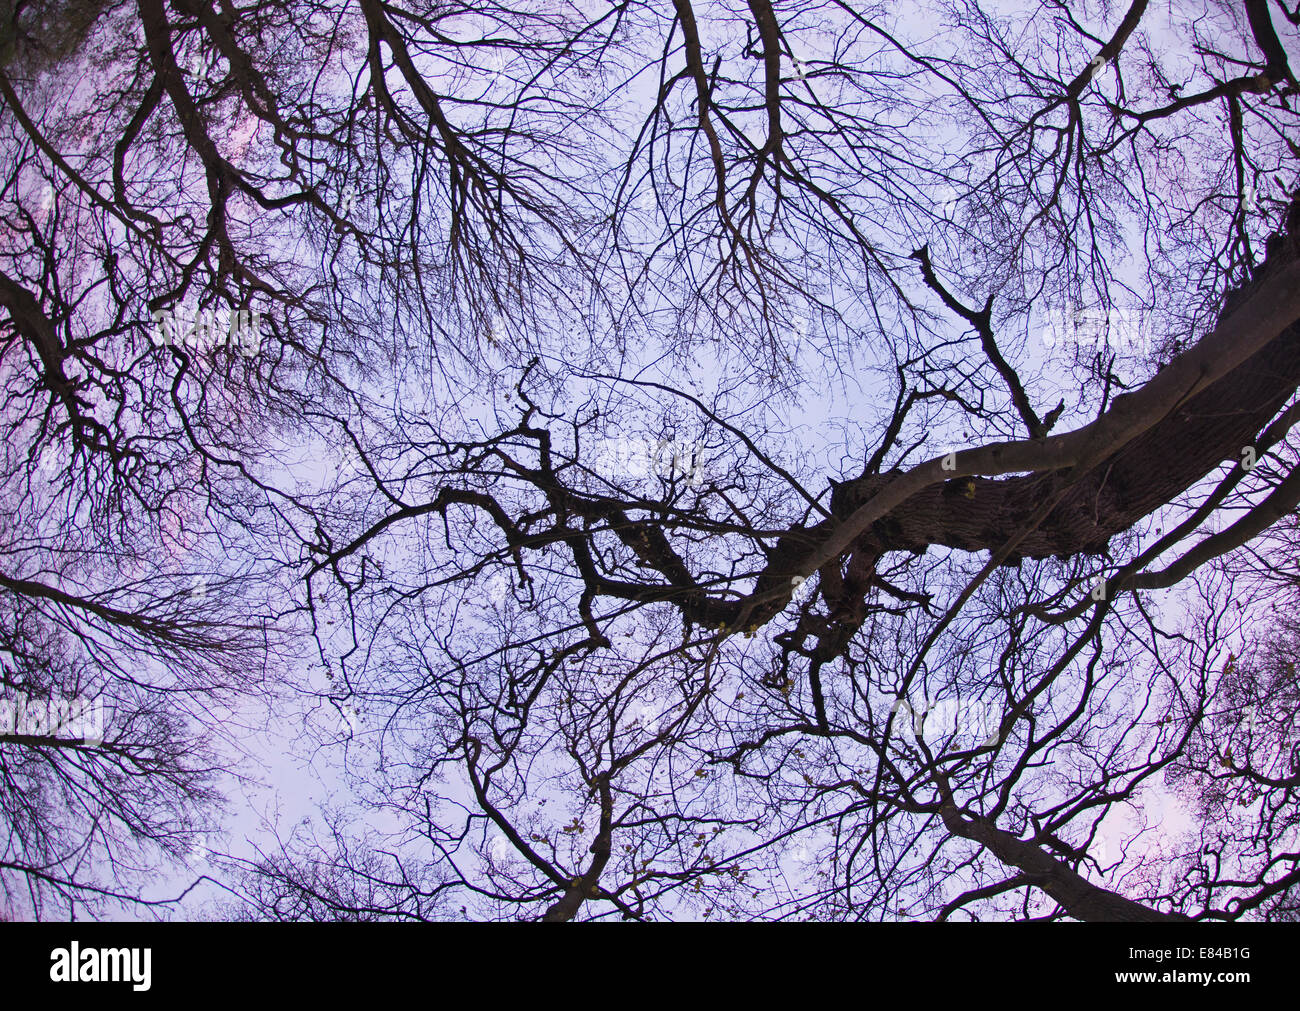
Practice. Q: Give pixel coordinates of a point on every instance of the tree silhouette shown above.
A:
(655, 435)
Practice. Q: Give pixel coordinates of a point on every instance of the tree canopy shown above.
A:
(749, 460)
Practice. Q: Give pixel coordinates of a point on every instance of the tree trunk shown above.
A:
(1079, 897)
(1211, 428)
(1164, 441)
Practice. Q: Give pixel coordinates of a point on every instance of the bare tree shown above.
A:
(749, 460)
